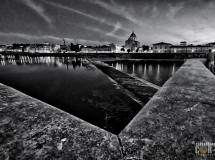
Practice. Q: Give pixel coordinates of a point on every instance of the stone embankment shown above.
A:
(178, 116)
(31, 129)
(142, 90)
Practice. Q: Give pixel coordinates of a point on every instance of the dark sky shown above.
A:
(96, 22)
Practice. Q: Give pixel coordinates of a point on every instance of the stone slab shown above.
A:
(180, 114)
(31, 129)
(142, 91)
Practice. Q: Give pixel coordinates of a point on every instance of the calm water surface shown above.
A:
(81, 90)
(155, 72)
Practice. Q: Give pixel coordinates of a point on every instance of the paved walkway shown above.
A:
(180, 114)
(31, 129)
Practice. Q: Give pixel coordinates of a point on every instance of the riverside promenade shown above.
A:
(31, 129)
(179, 115)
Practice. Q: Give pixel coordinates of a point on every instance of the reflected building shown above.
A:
(173, 69)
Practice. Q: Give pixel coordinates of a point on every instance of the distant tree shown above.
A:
(137, 50)
(128, 50)
(75, 47)
(145, 48)
(122, 49)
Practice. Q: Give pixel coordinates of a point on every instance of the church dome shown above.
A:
(133, 36)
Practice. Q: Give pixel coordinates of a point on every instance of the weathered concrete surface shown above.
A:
(180, 114)
(142, 90)
(31, 129)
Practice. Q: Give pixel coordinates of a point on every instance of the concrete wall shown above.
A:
(180, 115)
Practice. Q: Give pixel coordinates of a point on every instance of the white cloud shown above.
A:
(28, 37)
(101, 20)
(116, 9)
(91, 41)
(115, 29)
(173, 10)
(145, 8)
(109, 34)
(38, 9)
(48, 37)
(155, 12)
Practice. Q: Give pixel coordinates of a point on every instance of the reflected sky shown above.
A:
(155, 72)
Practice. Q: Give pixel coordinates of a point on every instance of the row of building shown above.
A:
(131, 45)
(56, 48)
(163, 47)
(31, 48)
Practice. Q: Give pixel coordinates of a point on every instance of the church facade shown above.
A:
(132, 43)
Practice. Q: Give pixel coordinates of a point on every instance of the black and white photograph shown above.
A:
(107, 80)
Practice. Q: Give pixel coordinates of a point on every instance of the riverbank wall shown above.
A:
(142, 90)
(179, 117)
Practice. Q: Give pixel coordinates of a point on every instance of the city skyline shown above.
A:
(94, 22)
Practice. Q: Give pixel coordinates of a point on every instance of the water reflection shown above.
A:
(173, 69)
(73, 85)
(157, 73)
(49, 61)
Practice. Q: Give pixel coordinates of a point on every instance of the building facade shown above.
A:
(88, 49)
(105, 49)
(161, 47)
(190, 49)
(44, 48)
(132, 43)
(2, 48)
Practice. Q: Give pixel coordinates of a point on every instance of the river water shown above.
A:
(155, 72)
(70, 85)
(79, 89)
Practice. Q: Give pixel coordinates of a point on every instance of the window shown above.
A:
(155, 47)
(160, 47)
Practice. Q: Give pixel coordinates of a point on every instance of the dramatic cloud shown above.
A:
(28, 37)
(94, 22)
(113, 32)
(101, 20)
(38, 9)
(155, 12)
(48, 37)
(173, 10)
(108, 34)
(116, 9)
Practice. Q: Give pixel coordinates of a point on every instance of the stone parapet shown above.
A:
(31, 129)
(179, 116)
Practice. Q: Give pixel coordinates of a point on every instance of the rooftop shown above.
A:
(162, 43)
